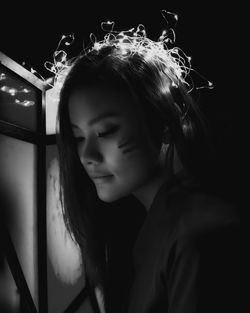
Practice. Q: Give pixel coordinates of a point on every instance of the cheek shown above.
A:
(128, 158)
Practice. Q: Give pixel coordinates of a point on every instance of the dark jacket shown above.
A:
(187, 254)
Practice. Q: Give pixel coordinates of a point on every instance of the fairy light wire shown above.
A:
(128, 42)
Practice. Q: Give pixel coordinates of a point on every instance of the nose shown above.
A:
(89, 152)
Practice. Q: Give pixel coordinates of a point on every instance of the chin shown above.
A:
(109, 196)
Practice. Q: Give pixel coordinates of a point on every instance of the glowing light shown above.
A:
(59, 65)
(68, 40)
(25, 103)
(4, 88)
(176, 64)
(12, 91)
(2, 76)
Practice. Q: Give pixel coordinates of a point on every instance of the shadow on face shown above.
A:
(112, 139)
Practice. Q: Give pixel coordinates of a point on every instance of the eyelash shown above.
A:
(112, 130)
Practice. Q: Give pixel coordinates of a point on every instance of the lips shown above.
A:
(102, 179)
(99, 175)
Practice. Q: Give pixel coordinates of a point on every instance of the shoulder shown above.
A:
(200, 222)
(204, 225)
(195, 211)
(195, 219)
(204, 255)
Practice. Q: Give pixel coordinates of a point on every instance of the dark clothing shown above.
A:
(186, 256)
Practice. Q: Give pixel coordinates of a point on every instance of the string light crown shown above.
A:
(176, 64)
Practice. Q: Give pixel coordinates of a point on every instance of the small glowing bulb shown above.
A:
(25, 103)
(12, 91)
(4, 88)
(210, 85)
(2, 76)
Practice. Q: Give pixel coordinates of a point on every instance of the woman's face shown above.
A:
(112, 141)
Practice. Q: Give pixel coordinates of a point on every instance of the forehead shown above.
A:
(87, 103)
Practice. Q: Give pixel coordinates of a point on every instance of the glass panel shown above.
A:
(9, 294)
(18, 101)
(52, 98)
(18, 187)
(66, 276)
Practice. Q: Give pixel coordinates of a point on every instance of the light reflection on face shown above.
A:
(112, 141)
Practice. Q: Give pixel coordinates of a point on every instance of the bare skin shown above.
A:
(115, 149)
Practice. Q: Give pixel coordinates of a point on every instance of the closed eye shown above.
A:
(112, 130)
(79, 139)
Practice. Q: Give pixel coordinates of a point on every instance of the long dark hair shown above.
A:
(168, 107)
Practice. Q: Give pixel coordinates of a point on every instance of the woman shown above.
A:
(128, 127)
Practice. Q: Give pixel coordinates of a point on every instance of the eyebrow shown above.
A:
(99, 118)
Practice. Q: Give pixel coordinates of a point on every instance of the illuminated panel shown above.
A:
(18, 186)
(66, 276)
(52, 98)
(17, 101)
